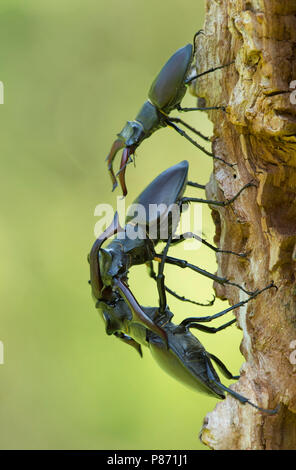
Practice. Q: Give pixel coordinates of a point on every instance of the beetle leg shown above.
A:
(160, 278)
(208, 108)
(209, 318)
(236, 395)
(190, 79)
(128, 340)
(185, 236)
(184, 299)
(185, 200)
(210, 329)
(221, 280)
(180, 121)
(152, 274)
(222, 367)
(183, 134)
(196, 185)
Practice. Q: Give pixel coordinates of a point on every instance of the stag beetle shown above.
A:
(164, 191)
(165, 95)
(173, 347)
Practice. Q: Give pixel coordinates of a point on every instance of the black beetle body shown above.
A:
(163, 193)
(165, 95)
(182, 355)
(184, 359)
(168, 88)
(121, 254)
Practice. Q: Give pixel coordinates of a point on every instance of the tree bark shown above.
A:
(257, 133)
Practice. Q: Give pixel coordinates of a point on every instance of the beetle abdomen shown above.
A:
(185, 360)
(166, 189)
(168, 88)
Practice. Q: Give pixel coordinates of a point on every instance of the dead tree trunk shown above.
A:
(258, 133)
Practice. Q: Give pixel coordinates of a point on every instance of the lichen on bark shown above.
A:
(257, 133)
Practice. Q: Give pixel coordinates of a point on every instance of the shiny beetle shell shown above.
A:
(168, 88)
(166, 189)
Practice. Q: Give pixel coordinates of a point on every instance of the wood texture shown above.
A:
(257, 133)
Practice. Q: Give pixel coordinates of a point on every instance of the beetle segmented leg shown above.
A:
(152, 274)
(183, 134)
(185, 236)
(160, 278)
(184, 200)
(190, 79)
(222, 367)
(208, 108)
(192, 129)
(236, 395)
(210, 329)
(210, 318)
(221, 280)
(196, 185)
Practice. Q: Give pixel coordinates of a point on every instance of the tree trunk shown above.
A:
(257, 133)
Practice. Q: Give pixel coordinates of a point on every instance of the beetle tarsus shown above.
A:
(190, 79)
(207, 108)
(185, 200)
(196, 185)
(210, 329)
(222, 367)
(236, 395)
(153, 275)
(221, 280)
(185, 236)
(210, 318)
(183, 134)
(192, 129)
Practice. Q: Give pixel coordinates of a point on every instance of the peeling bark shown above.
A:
(258, 133)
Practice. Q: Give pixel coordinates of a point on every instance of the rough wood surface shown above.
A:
(258, 133)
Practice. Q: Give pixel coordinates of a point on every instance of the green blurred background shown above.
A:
(73, 73)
